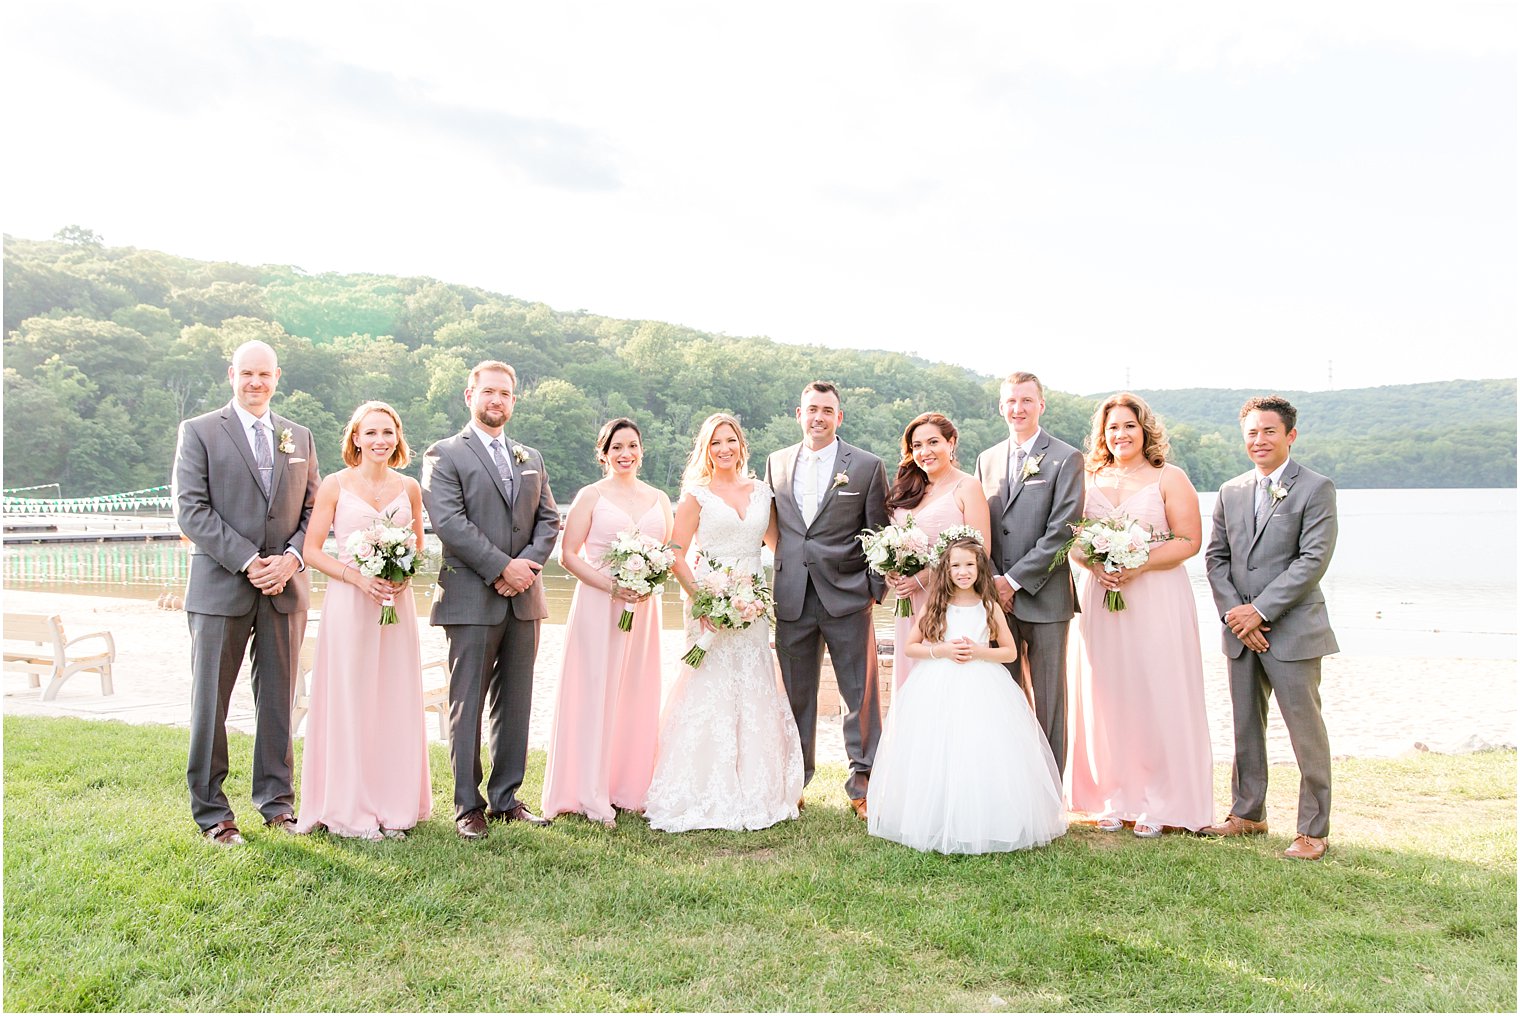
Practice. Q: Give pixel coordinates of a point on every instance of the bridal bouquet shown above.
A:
(1115, 542)
(729, 598)
(385, 550)
(640, 564)
(904, 549)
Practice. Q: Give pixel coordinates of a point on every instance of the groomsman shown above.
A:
(1274, 532)
(827, 491)
(1033, 484)
(245, 481)
(489, 501)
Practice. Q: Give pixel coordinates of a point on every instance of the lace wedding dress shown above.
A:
(729, 754)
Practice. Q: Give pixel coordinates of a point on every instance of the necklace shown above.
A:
(376, 491)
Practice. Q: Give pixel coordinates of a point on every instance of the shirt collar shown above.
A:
(1027, 446)
(824, 454)
(1275, 475)
(248, 418)
(486, 439)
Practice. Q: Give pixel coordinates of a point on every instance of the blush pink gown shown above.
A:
(933, 517)
(365, 764)
(607, 715)
(1139, 736)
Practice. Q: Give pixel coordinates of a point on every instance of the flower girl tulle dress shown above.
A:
(963, 767)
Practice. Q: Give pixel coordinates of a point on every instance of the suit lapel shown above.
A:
(484, 454)
(1286, 482)
(826, 497)
(277, 458)
(1015, 483)
(233, 425)
(785, 500)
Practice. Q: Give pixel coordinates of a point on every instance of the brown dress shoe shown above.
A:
(859, 804)
(1306, 848)
(285, 823)
(471, 825)
(223, 834)
(801, 804)
(517, 813)
(1235, 826)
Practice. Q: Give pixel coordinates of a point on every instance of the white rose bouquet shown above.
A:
(639, 563)
(904, 549)
(385, 550)
(1115, 542)
(729, 598)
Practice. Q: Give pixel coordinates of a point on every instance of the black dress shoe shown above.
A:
(471, 825)
(517, 813)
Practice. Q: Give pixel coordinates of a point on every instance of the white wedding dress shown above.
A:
(729, 755)
(963, 766)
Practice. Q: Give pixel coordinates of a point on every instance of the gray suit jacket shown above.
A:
(1031, 520)
(1279, 566)
(220, 506)
(481, 532)
(828, 550)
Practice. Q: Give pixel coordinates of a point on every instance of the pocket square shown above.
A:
(849, 493)
(528, 472)
(294, 461)
(1034, 483)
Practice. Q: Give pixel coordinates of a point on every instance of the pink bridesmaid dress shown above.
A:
(607, 715)
(364, 767)
(933, 517)
(1138, 733)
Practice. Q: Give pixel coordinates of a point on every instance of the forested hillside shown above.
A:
(108, 348)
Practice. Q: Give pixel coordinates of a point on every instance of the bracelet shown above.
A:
(921, 585)
(931, 652)
(344, 576)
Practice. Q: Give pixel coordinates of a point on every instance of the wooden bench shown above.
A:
(435, 685)
(36, 646)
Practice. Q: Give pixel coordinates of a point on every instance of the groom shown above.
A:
(1033, 484)
(489, 502)
(245, 481)
(826, 493)
(1274, 532)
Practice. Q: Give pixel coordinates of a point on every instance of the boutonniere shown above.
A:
(287, 441)
(1031, 466)
(840, 479)
(1278, 492)
(519, 453)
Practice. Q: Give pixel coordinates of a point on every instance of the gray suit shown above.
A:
(493, 639)
(1031, 519)
(823, 598)
(222, 509)
(1277, 567)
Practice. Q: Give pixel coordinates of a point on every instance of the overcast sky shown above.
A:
(1160, 195)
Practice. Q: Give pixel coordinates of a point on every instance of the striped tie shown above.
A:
(1264, 503)
(263, 457)
(502, 468)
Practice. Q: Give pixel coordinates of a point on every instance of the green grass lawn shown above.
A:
(113, 902)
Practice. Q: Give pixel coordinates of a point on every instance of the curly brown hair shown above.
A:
(1156, 445)
(931, 624)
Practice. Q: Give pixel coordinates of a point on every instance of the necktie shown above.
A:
(263, 457)
(809, 463)
(1018, 467)
(502, 468)
(1263, 503)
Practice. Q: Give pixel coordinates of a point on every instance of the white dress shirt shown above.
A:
(822, 464)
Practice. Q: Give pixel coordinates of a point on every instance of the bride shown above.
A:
(729, 754)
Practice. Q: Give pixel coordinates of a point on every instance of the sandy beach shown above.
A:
(1374, 706)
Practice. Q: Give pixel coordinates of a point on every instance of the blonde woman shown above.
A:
(364, 768)
(729, 754)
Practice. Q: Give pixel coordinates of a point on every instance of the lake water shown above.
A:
(1415, 573)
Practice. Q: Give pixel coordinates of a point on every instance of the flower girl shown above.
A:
(963, 767)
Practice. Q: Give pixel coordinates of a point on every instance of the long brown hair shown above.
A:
(932, 622)
(911, 481)
(1154, 446)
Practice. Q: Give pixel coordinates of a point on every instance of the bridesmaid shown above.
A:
(938, 494)
(1139, 739)
(607, 715)
(364, 768)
